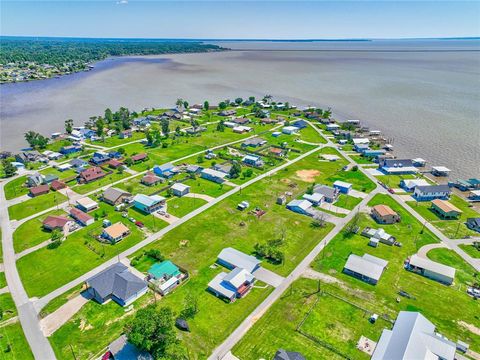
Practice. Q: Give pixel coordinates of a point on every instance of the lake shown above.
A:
(425, 95)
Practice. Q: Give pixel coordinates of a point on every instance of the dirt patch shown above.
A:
(470, 327)
(285, 181)
(307, 175)
(84, 325)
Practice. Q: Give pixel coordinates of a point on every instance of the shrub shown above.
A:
(54, 244)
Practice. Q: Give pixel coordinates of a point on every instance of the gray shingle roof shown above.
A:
(433, 188)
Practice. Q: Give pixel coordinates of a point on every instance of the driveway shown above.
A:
(268, 277)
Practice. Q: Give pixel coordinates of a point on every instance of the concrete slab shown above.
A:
(374, 172)
(268, 277)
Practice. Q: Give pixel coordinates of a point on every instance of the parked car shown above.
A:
(139, 224)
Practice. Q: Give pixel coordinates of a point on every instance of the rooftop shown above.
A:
(445, 206)
(239, 259)
(367, 265)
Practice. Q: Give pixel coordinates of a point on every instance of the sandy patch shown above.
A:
(470, 327)
(307, 175)
(84, 326)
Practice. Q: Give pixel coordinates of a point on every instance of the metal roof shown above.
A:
(238, 276)
(368, 265)
(432, 266)
(433, 188)
(148, 200)
(239, 259)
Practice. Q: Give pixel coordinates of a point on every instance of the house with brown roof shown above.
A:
(445, 209)
(115, 196)
(151, 179)
(57, 185)
(277, 151)
(81, 217)
(39, 190)
(114, 163)
(54, 222)
(139, 157)
(116, 232)
(383, 214)
(241, 121)
(91, 174)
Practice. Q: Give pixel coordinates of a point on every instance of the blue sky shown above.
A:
(241, 19)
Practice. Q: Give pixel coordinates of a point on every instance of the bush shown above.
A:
(54, 244)
(155, 254)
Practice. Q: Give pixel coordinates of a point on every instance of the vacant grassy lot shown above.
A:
(32, 233)
(180, 207)
(393, 181)
(202, 186)
(12, 336)
(453, 228)
(8, 306)
(78, 254)
(309, 134)
(61, 174)
(3, 280)
(116, 141)
(471, 250)
(428, 296)
(347, 201)
(15, 188)
(35, 205)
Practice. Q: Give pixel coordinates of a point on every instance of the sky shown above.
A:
(241, 19)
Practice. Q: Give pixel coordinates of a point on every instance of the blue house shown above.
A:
(342, 186)
(99, 158)
(431, 192)
(114, 155)
(299, 206)
(65, 150)
(87, 133)
(373, 153)
(300, 124)
(148, 204)
(166, 170)
(213, 175)
(361, 148)
(253, 160)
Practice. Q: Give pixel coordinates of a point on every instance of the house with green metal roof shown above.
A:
(165, 269)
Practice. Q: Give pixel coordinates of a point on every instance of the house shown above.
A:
(281, 199)
(49, 178)
(116, 232)
(288, 355)
(431, 192)
(473, 224)
(378, 235)
(39, 190)
(300, 206)
(193, 169)
(125, 134)
(361, 148)
(330, 157)
(367, 268)
(419, 162)
(114, 154)
(353, 122)
(99, 158)
(314, 198)
(86, 204)
(410, 184)
(289, 130)
(300, 124)
(150, 179)
(241, 121)
(224, 167)
(254, 142)
(71, 149)
(474, 195)
(166, 170)
(233, 285)
(358, 141)
(27, 156)
(57, 185)
(213, 175)
(342, 186)
(148, 204)
(232, 258)
(139, 157)
(241, 129)
(227, 112)
(383, 214)
(114, 163)
(333, 127)
(276, 133)
(445, 209)
(34, 180)
(121, 349)
(413, 337)
(330, 194)
(91, 174)
(440, 171)
(267, 121)
(115, 196)
(277, 151)
(397, 166)
(63, 167)
(61, 223)
(253, 160)
(373, 153)
(431, 269)
(142, 122)
(78, 163)
(229, 124)
(165, 276)
(81, 217)
(116, 283)
(179, 189)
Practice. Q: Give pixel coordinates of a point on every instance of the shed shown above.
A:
(342, 186)
(179, 189)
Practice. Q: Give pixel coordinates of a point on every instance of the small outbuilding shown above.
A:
(179, 189)
(367, 268)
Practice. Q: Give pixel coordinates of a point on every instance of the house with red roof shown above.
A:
(39, 190)
(91, 174)
(139, 157)
(54, 222)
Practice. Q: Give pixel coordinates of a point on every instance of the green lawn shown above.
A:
(35, 205)
(109, 179)
(180, 207)
(135, 186)
(202, 186)
(393, 181)
(465, 274)
(40, 270)
(32, 233)
(453, 228)
(309, 134)
(13, 338)
(116, 141)
(3, 280)
(470, 250)
(151, 222)
(429, 296)
(347, 201)
(61, 174)
(8, 306)
(15, 188)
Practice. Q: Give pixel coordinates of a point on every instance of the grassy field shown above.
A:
(8, 306)
(35, 205)
(3, 280)
(180, 207)
(347, 201)
(135, 186)
(470, 250)
(14, 188)
(116, 141)
(32, 233)
(454, 228)
(77, 255)
(61, 174)
(13, 338)
(309, 134)
(202, 186)
(428, 295)
(393, 181)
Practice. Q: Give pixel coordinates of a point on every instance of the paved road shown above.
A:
(26, 313)
(40, 303)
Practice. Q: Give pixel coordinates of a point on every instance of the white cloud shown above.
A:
(122, 2)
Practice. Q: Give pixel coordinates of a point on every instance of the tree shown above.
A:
(221, 126)
(206, 105)
(200, 159)
(36, 140)
(108, 116)
(190, 307)
(327, 113)
(238, 100)
(247, 172)
(194, 124)
(69, 126)
(222, 105)
(251, 99)
(8, 168)
(185, 104)
(267, 98)
(100, 126)
(235, 170)
(152, 330)
(177, 131)
(165, 127)
(121, 150)
(179, 103)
